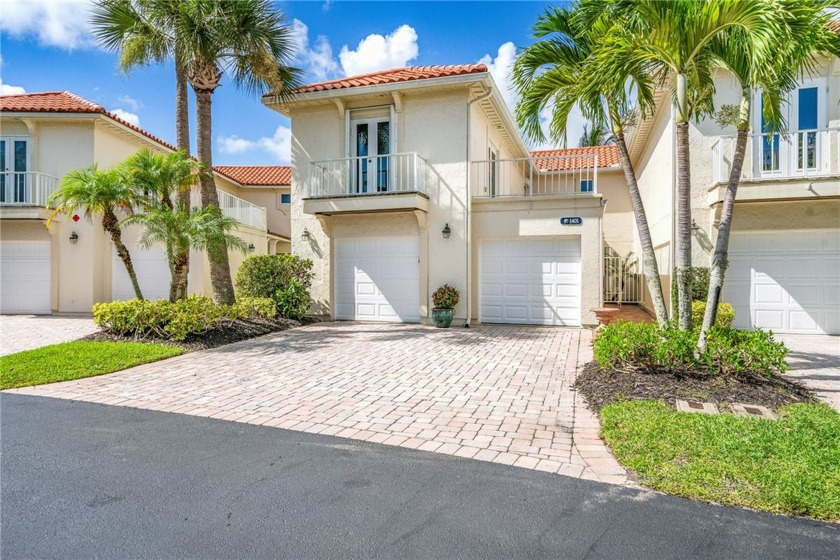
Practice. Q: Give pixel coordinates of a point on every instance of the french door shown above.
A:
(370, 162)
(14, 163)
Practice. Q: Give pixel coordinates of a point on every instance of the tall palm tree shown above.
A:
(178, 229)
(249, 41)
(563, 69)
(595, 134)
(99, 193)
(158, 177)
(673, 41)
(803, 31)
(142, 32)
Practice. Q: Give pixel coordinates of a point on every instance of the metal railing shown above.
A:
(242, 211)
(622, 282)
(26, 188)
(537, 176)
(365, 176)
(804, 153)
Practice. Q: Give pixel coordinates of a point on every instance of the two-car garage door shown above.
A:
(788, 282)
(531, 281)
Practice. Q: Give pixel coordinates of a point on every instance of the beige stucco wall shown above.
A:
(619, 224)
(278, 215)
(805, 214)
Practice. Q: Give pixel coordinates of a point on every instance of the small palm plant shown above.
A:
(95, 192)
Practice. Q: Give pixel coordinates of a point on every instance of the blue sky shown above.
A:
(46, 45)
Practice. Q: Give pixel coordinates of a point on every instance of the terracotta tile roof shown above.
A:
(607, 157)
(395, 75)
(65, 102)
(260, 175)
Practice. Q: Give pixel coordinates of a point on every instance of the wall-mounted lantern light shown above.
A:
(446, 231)
(251, 248)
(306, 234)
(694, 226)
(74, 238)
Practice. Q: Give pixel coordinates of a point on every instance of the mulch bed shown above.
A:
(602, 387)
(239, 330)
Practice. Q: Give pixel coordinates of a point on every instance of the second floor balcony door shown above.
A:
(14, 163)
(371, 148)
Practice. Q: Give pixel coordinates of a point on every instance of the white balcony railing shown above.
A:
(26, 188)
(800, 154)
(242, 211)
(366, 176)
(538, 176)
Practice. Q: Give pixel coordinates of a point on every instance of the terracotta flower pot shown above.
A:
(605, 315)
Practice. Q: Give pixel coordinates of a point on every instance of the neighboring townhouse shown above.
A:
(784, 252)
(72, 264)
(407, 179)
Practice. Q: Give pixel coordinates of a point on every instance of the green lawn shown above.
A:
(790, 465)
(74, 360)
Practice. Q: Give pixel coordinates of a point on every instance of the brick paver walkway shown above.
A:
(493, 393)
(26, 332)
(815, 362)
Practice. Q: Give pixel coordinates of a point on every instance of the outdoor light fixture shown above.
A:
(694, 226)
(306, 234)
(74, 237)
(251, 248)
(446, 231)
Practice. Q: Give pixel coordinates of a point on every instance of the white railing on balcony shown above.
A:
(242, 211)
(370, 175)
(26, 188)
(800, 154)
(538, 176)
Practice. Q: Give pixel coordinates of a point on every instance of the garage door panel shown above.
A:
(25, 281)
(785, 281)
(152, 269)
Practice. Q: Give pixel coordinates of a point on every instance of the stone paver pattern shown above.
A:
(815, 362)
(27, 332)
(494, 393)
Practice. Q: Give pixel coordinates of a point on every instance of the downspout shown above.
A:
(468, 208)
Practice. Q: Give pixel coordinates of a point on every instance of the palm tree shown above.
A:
(99, 193)
(672, 40)
(178, 230)
(158, 177)
(562, 69)
(803, 31)
(142, 32)
(248, 40)
(595, 134)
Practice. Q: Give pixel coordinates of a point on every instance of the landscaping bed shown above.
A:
(602, 387)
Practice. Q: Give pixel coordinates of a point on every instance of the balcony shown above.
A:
(242, 211)
(537, 176)
(801, 164)
(24, 195)
(383, 183)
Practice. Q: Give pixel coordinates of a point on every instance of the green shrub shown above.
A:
(134, 317)
(255, 307)
(699, 287)
(725, 314)
(646, 346)
(285, 279)
(196, 315)
(445, 297)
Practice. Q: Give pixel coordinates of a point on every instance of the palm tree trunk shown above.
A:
(720, 260)
(182, 131)
(216, 251)
(651, 268)
(111, 225)
(683, 228)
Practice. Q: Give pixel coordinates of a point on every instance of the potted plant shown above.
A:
(444, 300)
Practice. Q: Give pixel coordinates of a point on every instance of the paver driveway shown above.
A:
(25, 332)
(815, 362)
(495, 393)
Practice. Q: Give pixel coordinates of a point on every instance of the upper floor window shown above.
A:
(587, 185)
(285, 198)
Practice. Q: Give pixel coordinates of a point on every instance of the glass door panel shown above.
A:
(383, 149)
(361, 161)
(21, 156)
(3, 172)
(807, 121)
(371, 150)
(770, 147)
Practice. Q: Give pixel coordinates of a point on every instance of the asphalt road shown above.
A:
(83, 480)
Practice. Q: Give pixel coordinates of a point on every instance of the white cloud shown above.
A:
(6, 89)
(279, 146)
(376, 52)
(126, 116)
(130, 102)
(318, 60)
(54, 23)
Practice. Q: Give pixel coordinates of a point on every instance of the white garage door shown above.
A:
(25, 273)
(788, 282)
(530, 281)
(152, 274)
(377, 280)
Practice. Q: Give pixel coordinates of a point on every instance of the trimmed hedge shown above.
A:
(285, 279)
(725, 314)
(646, 346)
(164, 319)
